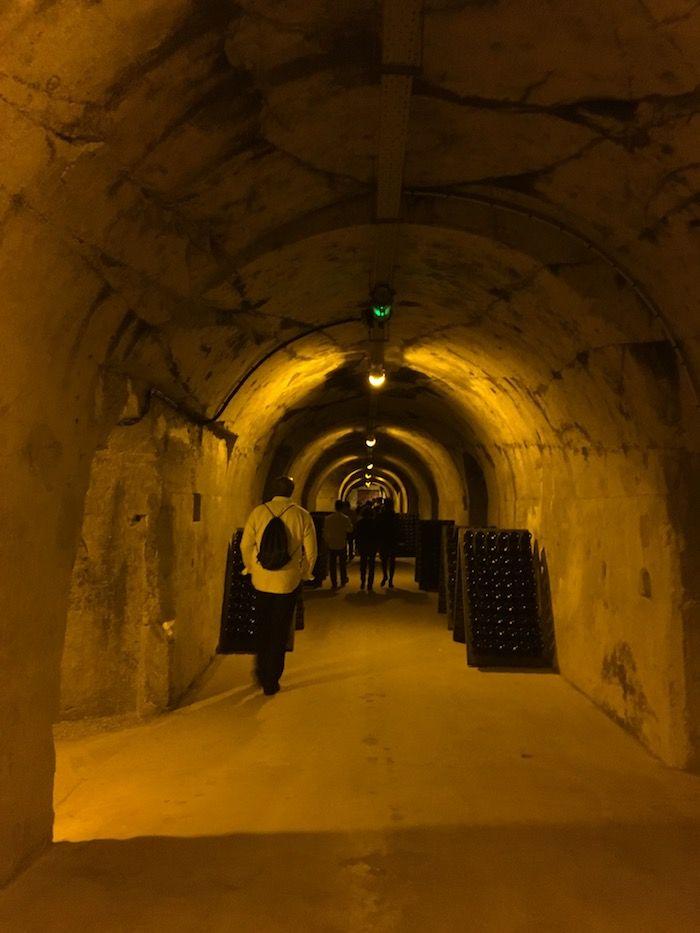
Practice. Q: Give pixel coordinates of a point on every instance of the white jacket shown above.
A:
(301, 536)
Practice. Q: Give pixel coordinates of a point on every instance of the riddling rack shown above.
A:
(429, 553)
(407, 528)
(448, 573)
(239, 622)
(239, 629)
(502, 622)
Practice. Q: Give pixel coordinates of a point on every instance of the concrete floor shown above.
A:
(386, 788)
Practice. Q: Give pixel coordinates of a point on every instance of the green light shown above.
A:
(381, 303)
(381, 312)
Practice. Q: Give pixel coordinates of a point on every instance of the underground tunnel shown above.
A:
(203, 206)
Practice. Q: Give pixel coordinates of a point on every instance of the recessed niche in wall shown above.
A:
(196, 506)
(645, 583)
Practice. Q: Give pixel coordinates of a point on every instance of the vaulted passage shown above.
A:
(200, 205)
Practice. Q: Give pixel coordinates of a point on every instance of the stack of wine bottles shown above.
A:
(448, 573)
(429, 553)
(406, 546)
(238, 632)
(503, 623)
(239, 621)
(458, 620)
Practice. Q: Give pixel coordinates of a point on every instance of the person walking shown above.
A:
(279, 551)
(347, 509)
(387, 539)
(336, 528)
(366, 543)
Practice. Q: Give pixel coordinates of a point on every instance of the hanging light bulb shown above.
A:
(368, 476)
(370, 466)
(368, 484)
(371, 440)
(377, 376)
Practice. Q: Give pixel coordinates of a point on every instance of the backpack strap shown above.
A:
(280, 516)
(281, 513)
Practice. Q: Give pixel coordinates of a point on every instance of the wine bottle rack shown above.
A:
(429, 553)
(448, 573)
(239, 622)
(459, 628)
(238, 634)
(406, 545)
(500, 607)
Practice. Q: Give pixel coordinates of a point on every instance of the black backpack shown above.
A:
(273, 553)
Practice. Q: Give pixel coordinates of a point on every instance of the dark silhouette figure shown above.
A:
(366, 543)
(336, 528)
(387, 538)
(347, 510)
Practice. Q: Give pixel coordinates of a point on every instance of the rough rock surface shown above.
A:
(188, 184)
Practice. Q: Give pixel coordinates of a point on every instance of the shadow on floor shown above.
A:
(290, 685)
(611, 877)
(375, 598)
(311, 595)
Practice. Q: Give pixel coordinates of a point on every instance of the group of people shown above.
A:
(372, 530)
(279, 550)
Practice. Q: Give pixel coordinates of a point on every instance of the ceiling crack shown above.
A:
(613, 118)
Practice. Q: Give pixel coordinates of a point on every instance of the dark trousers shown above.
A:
(367, 568)
(388, 565)
(334, 558)
(275, 612)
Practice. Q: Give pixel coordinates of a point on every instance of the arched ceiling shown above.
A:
(203, 173)
(187, 185)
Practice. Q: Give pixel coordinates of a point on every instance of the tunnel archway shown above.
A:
(415, 474)
(334, 478)
(324, 376)
(379, 486)
(391, 487)
(186, 187)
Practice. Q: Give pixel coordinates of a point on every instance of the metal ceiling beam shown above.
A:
(402, 42)
(402, 35)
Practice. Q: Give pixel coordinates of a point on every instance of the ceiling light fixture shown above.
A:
(377, 376)
(371, 440)
(381, 304)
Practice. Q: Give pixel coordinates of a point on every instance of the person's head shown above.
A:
(339, 505)
(282, 486)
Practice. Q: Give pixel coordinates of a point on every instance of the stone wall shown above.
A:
(187, 185)
(616, 588)
(55, 410)
(146, 590)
